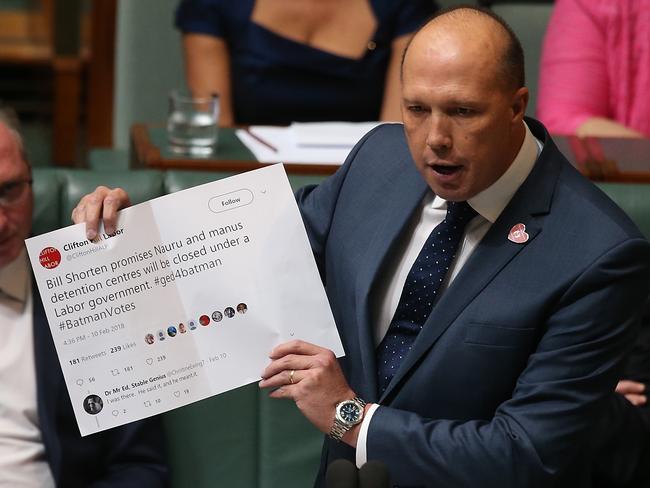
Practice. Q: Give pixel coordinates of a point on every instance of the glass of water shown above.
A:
(192, 124)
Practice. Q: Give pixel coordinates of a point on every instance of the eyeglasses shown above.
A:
(12, 191)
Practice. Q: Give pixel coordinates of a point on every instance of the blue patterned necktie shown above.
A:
(420, 290)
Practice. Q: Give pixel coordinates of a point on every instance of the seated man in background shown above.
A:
(595, 69)
(485, 292)
(40, 444)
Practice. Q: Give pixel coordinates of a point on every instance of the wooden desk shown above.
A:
(600, 159)
(608, 159)
(149, 149)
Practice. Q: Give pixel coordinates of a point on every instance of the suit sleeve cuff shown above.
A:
(362, 453)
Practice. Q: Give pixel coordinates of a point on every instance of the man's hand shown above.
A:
(633, 391)
(311, 376)
(103, 203)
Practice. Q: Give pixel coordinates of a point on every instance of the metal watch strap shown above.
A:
(339, 428)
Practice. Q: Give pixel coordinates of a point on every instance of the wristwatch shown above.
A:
(348, 414)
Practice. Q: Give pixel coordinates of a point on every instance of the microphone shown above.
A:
(374, 474)
(341, 474)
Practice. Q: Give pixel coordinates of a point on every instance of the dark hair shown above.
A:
(512, 63)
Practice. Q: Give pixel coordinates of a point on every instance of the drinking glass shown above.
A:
(192, 124)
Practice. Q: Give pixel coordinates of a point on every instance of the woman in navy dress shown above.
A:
(279, 61)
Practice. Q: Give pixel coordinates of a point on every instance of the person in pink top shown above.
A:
(595, 69)
(595, 81)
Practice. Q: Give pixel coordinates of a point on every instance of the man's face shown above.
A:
(463, 124)
(16, 212)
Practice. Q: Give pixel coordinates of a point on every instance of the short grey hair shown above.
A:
(9, 118)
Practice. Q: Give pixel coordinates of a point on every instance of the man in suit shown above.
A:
(509, 371)
(484, 291)
(40, 444)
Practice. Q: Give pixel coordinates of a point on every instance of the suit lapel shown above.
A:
(528, 206)
(404, 191)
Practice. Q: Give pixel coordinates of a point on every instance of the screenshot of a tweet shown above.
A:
(184, 301)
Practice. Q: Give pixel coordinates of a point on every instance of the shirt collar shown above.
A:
(14, 278)
(490, 202)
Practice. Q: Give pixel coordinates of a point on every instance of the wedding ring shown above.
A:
(293, 371)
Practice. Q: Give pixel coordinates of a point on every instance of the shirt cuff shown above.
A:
(362, 453)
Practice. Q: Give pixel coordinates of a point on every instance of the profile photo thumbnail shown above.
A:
(93, 404)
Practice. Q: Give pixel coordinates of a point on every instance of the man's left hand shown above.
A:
(311, 376)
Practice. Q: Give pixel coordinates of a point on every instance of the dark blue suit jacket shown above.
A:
(122, 457)
(517, 363)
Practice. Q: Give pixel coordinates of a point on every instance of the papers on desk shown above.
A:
(306, 143)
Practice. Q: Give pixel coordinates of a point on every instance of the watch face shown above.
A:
(350, 412)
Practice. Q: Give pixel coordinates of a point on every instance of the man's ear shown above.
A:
(519, 104)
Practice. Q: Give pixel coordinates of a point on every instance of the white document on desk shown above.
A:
(185, 301)
(306, 143)
(330, 134)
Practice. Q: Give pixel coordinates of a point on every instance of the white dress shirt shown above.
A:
(488, 204)
(22, 453)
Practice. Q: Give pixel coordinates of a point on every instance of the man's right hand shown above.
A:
(103, 203)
